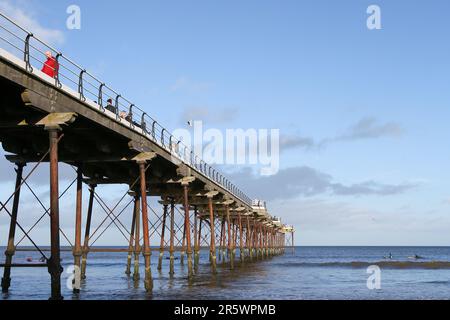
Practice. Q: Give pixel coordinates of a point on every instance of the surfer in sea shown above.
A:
(388, 257)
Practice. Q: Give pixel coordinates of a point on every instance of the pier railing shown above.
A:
(21, 42)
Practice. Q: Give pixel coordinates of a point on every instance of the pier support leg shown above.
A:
(148, 281)
(248, 239)
(199, 242)
(187, 228)
(10, 249)
(257, 243)
(222, 241)
(137, 228)
(87, 232)
(54, 263)
(183, 245)
(261, 242)
(163, 231)
(235, 235)
(77, 252)
(241, 239)
(130, 244)
(230, 239)
(212, 246)
(196, 247)
(172, 236)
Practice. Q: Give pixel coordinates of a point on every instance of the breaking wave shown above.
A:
(381, 264)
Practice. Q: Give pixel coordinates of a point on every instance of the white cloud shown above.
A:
(27, 19)
(321, 221)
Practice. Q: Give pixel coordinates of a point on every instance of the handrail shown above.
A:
(81, 77)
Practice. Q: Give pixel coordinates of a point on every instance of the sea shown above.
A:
(309, 273)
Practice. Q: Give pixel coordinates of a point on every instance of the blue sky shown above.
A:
(379, 98)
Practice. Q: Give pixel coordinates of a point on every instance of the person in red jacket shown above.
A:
(51, 66)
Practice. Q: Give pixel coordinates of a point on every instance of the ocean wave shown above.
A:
(381, 264)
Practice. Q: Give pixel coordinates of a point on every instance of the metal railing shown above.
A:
(69, 74)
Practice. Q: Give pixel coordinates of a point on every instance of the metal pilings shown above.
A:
(163, 230)
(131, 242)
(241, 239)
(54, 263)
(137, 227)
(230, 239)
(172, 237)
(212, 248)
(197, 234)
(77, 251)
(10, 249)
(187, 228)
(85, 249)
(148, 281)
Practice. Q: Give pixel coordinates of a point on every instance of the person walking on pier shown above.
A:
(110, 106)
(51, 66)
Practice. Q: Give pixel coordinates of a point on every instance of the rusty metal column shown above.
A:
(248, 239)
(231, 244)
(199, 243)
(234, 242)
(148, 281)
(261, 241)
(137, 237)
(187, 228)
(212, 246)
(163, 231)
(222, 241)
(255, 235)
(275, 242)
(172, 235)
(195, 239)
(272, 242)
(54, 263)
(130, 244)
(87, 231)
(229, 251)
(241, 239)
(10, 249)
(275, 245)
(77, 252)
(278, 242)
(255, 240)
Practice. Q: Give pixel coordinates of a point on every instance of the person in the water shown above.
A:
(388, 257)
